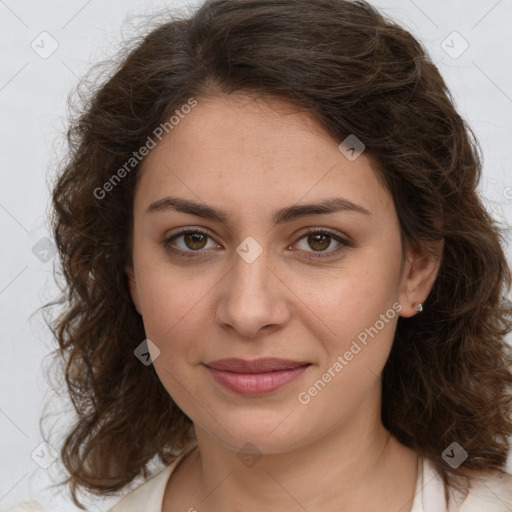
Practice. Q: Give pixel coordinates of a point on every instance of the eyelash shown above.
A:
(320, 254)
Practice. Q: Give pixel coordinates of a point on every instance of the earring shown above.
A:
(418, 307)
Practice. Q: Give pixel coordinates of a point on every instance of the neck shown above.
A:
(359, 465)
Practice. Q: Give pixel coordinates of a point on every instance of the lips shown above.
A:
(255, 377)
(268, 364)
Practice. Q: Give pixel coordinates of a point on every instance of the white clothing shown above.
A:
(486, 494)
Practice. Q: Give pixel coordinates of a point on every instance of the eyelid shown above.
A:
(342, 240)
(185, 231)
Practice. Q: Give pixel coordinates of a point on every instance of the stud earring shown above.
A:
(418, 307)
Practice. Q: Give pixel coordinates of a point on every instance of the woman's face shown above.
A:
(257, 285)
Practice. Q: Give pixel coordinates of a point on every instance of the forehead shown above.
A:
(237, 126)
(246, 152)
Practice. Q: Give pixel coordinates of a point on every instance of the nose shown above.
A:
(253, 298)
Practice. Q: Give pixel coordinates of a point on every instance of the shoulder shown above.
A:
(489, 492)
(28, 506)
(472, 491)
(149, 495)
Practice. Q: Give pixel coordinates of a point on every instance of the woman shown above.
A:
(280, 280)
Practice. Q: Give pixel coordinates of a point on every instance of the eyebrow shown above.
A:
(280, 216)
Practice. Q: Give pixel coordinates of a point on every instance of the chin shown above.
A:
(263, 434)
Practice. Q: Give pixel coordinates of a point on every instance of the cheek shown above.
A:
(355, 354)
(355, 302)
(172, 321)
(363, 313)
(363, 336)
(172, 297)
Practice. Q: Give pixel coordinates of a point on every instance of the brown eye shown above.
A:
(188, 242)
(319, 241)
(193, 243)
(195, 240)
(322, 242)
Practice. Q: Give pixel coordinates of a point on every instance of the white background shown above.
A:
(33, 94)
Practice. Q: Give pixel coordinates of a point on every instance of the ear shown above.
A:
(420, 271)
(132, 283)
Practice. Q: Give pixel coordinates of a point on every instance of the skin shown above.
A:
(251, 157)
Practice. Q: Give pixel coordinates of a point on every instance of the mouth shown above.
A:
(255, 377)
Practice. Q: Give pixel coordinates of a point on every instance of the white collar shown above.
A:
(491, 495)
(149, 496)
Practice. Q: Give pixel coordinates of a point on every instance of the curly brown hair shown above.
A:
(448, 375)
